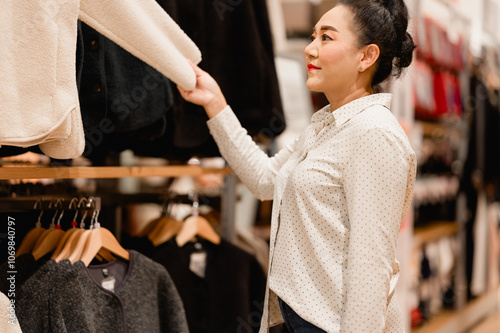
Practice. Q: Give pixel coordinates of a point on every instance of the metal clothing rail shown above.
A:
(26, 203)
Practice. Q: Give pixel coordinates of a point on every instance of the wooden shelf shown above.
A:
(463, 320)
(34, 172)
(434, 231)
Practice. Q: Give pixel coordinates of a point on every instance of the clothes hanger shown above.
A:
(52, 225)
(50, 238)
(76, 245)
(155, 225)
(196, 225)
(32, 236)
(167, 227)
(69, 232)
(101, 238)
(71, 243)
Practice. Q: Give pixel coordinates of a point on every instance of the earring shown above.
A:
(360, 68)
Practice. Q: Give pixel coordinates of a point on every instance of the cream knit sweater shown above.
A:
(38, 92)
(8, 319)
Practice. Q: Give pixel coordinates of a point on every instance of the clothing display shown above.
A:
(230, 293)
(118, 89)
(125, 208)
(39, 94)
(227, 293)
(140, 297)
(237, 47)
(353, 138)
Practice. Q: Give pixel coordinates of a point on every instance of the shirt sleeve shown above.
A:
(254, 168)
(144, 29)
(375, 184)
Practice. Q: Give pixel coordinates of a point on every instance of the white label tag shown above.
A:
(198, 263)
(109, 283)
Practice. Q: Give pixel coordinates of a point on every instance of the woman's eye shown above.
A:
(312, 38)
(325, 37)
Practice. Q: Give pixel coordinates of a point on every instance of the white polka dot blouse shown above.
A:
(341, 192)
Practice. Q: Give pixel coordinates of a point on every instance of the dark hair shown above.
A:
(384, 23)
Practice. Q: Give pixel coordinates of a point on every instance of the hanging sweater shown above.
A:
(8, 319)
(66, 298)
(38, 92)
(229, 295)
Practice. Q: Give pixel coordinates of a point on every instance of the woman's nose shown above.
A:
(311, 50)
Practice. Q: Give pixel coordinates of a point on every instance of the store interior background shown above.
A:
(448, 102)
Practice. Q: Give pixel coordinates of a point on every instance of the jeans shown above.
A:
(294, 322)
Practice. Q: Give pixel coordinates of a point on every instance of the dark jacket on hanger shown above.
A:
(229, 298)
(124, 102)
(235, 40)
(236, 43)
(61, 297)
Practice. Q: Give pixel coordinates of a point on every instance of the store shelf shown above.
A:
(433, 231)
(33, 172)
(464, 319)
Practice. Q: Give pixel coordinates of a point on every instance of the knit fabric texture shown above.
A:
(8, 320)
(66, 299)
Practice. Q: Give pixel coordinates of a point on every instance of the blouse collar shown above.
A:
(346, 112)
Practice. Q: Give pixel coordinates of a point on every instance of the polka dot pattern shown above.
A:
(340, 194)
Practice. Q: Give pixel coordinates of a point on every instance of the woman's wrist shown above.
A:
(215, 107)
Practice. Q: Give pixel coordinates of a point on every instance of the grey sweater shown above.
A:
(61, 297)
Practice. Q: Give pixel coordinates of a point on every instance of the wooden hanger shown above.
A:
(50, 238)
(101, 238)
(73, 247)
(169, 227)
(75, 243)
(166, 227)
(196, 225)
(32, 236)
(78, 245)
(69, 232)
(148, 229)
(155, 225)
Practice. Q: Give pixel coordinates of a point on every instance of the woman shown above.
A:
(343, 188)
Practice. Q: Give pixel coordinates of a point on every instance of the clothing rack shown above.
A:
(227, 198)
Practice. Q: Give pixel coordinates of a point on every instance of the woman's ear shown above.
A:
(369, 57)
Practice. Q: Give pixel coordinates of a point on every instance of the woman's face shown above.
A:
(333, 57)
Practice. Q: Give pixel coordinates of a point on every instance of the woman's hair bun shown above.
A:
(385, 23)
(406, 55)
(404, 41)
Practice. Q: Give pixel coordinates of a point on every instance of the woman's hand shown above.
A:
(206, 93)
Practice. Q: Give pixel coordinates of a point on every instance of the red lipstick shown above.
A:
(311, 67)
